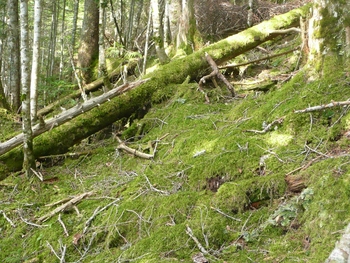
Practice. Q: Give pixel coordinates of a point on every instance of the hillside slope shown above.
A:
(217, 185)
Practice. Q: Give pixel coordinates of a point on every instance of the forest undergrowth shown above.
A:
(241, 179)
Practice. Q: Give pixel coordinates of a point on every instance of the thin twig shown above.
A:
(199, 245)
(27, 222)
(268, 126)
(96, 212)
(63, 225)
(222, 213)
(155, 189)
(7, 219)
(52, 250)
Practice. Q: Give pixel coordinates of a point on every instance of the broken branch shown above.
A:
(66, 205)
(216, 73)
(326, 106)
(137, 153)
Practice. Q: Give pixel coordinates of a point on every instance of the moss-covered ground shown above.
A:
(214, 186)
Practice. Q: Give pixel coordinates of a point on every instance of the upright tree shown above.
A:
(35, 60)
(29, 160)
(14, 77)
(158, 30)
(88, 50)
(187, 27)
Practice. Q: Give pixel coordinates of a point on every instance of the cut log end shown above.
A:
(296, 183)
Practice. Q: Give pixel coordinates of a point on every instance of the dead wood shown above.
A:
(69, 115)
(62, 138)
(258, 60)
(295, 183)
(65, 206)
(268, 127)
(216, 72)
(122, 146)
(341, 251)
(91, 87)
(326, 106)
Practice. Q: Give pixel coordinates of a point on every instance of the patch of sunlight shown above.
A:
(151, 69)
(204, 147)
(278, 139)
(347, 122)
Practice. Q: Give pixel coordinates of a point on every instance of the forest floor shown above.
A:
(241, 179)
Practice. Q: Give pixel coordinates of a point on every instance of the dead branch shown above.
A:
(322, 107)
(155, 189)
(62, 224)
(224, 214)
(258, 60)
(96, 212)
(216, 72)
(137, 153)
(65, 206)
(19, 211)
(69, 114)
(199, 245)
(7, 219)
(268, 126)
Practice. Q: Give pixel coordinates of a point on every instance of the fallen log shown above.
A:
(60, 139)
(91, 87)
(68, 115)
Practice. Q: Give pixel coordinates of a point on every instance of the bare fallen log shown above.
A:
(91, 87)
(60, 139)
(69, 114)
(326, 106)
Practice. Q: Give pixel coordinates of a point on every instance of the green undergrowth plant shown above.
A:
(216, 185)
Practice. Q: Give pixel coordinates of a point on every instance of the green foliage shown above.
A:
(250, 215)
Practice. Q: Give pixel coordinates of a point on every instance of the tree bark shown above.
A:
(29, 159)
(14, 78)
(158, 31)
(59, 140)
(35, 60)
(88, 50)
(67, 115)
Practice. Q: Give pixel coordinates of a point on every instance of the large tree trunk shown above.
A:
(88, 50)
(60, 139)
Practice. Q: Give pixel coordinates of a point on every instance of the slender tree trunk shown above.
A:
(158, 31)
(145, 54)
(35, 60)
(129, 30)
(119, 33)
(13, 92)
(52, 46)
(88, 50)
(62, 39)
(29, 160)
(74, 26)
(3, 100)
(102, 58)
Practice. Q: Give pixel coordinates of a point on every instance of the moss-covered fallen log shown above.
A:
(60, 139)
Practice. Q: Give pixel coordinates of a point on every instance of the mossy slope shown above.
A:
(246, 215)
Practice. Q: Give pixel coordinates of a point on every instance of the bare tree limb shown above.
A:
(325, 106)
(66, 205)
(69, 114)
